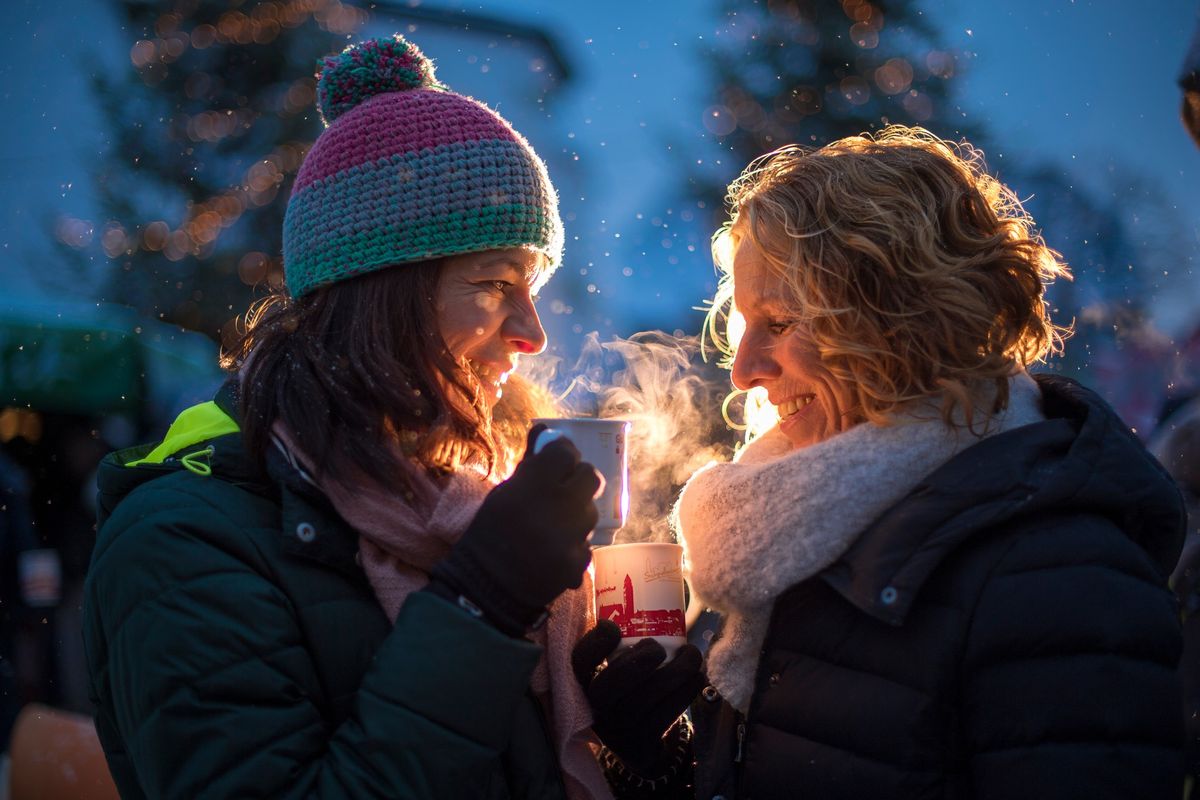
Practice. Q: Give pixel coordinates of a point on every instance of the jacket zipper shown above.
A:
(741, 738)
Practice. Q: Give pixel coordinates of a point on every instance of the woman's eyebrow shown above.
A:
(511, 264)
(506, 261)
(770, 306)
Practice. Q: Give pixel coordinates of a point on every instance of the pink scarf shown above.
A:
(402, 537)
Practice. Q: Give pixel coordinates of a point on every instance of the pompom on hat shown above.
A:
(407, 170)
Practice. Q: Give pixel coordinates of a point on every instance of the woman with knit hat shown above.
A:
(316, 585)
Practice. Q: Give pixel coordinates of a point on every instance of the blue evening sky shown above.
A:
(1086, 84)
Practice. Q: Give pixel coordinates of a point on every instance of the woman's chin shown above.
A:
(491, 392)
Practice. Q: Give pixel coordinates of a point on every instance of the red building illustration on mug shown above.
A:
(635, 623)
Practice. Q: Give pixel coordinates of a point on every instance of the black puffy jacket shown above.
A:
(1005, 631)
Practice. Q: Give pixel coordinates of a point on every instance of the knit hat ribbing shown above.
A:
(407, 170)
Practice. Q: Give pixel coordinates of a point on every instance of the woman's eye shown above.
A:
(499, 286)
(778, 327)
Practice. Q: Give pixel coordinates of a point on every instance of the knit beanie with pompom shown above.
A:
(407, 170)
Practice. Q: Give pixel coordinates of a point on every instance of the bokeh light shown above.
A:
(894, 77)
(719, 120)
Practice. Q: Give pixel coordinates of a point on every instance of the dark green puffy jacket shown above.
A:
(236, 649)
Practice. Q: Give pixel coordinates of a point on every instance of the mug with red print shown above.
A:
(639, 586)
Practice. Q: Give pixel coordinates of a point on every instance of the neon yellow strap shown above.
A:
(193, 426)
(195, 462)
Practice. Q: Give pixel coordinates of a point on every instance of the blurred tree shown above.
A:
(208, 126)
(795, 71)
(1127, 247)
(1096, 239)
(812, 71)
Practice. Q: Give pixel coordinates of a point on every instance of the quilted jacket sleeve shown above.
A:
(1069, 689)
(208, 678)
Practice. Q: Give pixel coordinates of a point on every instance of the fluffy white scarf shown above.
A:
(776, 515)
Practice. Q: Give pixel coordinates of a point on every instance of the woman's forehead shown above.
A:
(755, 283)
(526, 262)
(520, 257)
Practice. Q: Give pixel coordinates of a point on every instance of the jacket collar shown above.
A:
(1081, 458)
(310, 527)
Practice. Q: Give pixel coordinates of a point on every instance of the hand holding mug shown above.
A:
(528, 542)
(636, 698)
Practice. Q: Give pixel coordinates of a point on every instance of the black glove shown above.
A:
(528, 542)
(635, 700)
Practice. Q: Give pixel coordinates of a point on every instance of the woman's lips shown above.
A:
(492, 378)
(496, 374)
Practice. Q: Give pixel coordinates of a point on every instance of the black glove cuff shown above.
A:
(462, 583)
(671, 775)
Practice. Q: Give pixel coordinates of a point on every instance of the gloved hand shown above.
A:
(635, 700)
(528, 542)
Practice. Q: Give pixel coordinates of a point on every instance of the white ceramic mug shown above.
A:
(639, 586)
(603, 443)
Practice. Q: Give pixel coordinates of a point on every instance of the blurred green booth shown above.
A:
(100, 360)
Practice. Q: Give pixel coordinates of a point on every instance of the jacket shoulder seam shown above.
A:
(183, 483)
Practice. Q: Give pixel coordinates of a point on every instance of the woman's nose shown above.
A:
(523, 329)
(753, 364)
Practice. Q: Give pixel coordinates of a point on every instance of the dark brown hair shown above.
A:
(355, 367)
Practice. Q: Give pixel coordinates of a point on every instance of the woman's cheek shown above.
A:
(832, 407)
(489, 304)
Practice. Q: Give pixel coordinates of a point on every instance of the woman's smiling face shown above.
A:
(776, 353)
(485, 312)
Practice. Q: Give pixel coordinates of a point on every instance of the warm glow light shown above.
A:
(177, 247)
(863, 36)
(167, 24)
(855, 89)
(154, 237)
(299, 95)
(719, 120)
(20, 422)
(197, 233)
(253, 268)
(759, 415)
(174, 47)
(206, 219)
(806, 100)
(940, 63)
(894, 77)
(204, 36)
(113, 240)
(919, 105)
(142, 53)
(74, 232)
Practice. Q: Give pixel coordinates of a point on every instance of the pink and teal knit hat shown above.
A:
(407, 170)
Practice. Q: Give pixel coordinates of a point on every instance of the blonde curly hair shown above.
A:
(917, 274)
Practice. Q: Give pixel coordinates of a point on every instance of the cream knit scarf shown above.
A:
(775, 515)
(400, 540)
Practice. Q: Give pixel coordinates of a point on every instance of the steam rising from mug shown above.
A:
(673, 399)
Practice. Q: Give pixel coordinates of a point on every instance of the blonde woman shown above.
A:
(941, 577)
